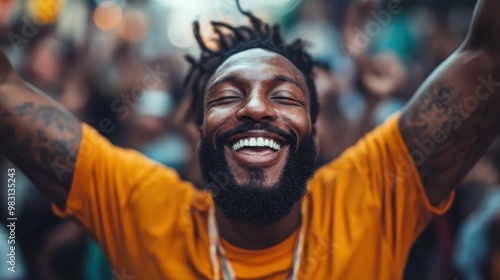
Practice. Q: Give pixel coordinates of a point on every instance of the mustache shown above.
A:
(223, 137)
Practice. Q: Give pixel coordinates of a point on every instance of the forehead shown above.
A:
(257, 65)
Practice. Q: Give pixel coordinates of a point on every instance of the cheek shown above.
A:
(215, 118)
(299, 120)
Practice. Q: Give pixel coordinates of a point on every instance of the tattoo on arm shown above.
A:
(38, 135)
(447, 130)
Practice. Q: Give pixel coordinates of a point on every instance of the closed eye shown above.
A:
(223, 100)
(287, 100)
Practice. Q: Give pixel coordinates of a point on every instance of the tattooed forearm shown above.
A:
(38, 135)
(455, 115)
(450, 124)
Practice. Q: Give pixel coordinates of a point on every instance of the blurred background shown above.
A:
(119, 66)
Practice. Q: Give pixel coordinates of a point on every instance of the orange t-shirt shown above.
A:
(363, 212)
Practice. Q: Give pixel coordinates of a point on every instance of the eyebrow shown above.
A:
(235, 78)
(286, 79)
(228, 79)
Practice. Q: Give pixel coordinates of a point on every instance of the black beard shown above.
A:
(255, 202)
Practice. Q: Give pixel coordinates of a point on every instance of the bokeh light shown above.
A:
(46, 11)
(179, 31)
(134, 26)
(107, 15)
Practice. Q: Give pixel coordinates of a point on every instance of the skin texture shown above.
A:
(249, 87)
(454, 116)
(257, 86)
(42, 138)
(38, 135)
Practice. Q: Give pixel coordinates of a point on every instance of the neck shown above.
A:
(255, 237)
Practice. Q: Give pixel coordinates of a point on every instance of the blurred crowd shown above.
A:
(119, 66)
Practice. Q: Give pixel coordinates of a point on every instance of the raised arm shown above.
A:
(37, 134)
(455, 115)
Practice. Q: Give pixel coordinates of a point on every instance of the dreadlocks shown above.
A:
(238, 39)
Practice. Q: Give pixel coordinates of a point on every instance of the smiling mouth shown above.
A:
(256, 149)
(256, 144)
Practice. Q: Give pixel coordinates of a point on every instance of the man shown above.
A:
(356, 217)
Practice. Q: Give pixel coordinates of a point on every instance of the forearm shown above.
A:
(484, 32)
(454, 116)
(38, 134)
(452, 119)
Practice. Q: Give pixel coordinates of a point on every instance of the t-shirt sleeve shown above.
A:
(379, 171)
(392, 170)
(110, 183)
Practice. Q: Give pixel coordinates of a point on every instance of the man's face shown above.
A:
(257, 128)
(256, 86)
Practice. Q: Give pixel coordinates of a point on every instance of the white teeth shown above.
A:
(256, 142)
(260, 141)
(253, 142)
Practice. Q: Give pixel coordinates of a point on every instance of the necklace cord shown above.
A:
(217, 251)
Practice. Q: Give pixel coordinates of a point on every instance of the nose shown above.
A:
(256, 108)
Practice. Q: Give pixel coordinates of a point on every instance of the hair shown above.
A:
(232, 40)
